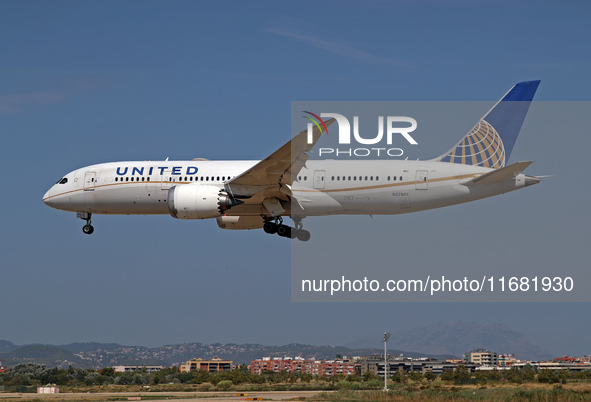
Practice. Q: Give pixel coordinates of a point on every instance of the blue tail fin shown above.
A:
(491, 140)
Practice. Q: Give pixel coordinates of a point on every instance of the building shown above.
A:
(375, 365)
(213, 365)
(567, 359)
(506, 360)
(482, 357)
(324, 368)
(147, 369)
(48, 390)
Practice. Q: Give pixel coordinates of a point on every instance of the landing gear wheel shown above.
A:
(303, 235)
(270, 227)
(88, 229)
(284, 231)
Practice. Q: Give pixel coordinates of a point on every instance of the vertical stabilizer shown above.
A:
(491, 141)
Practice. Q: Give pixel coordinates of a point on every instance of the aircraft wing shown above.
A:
(273, 176)
(508, 172)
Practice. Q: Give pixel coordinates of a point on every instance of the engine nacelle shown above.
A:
(240, 222)
(198, 201)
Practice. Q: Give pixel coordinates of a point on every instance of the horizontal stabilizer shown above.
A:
(506, 173)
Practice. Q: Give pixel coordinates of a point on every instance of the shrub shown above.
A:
(224, 385)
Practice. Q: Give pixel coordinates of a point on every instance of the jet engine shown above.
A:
(240, 222)
(198, 201)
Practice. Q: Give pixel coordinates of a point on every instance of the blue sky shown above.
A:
(90, 82)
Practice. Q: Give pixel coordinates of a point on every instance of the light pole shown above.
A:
(385, 340)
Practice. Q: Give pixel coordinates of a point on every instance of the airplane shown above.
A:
(244, 195)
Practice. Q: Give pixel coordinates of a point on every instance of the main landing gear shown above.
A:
(88, 228)
(287, 231)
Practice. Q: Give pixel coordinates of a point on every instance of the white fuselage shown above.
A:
(325, 187)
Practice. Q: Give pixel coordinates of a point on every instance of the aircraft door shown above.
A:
(422, 180)
(89, 181)
(319, 179)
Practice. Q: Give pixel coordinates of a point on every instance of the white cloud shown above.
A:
(337, 48)
(15, 103)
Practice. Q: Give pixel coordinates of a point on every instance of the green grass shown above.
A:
(458, 394)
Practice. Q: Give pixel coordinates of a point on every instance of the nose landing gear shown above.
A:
(88, 228)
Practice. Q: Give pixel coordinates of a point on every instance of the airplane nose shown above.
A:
(530, 180)
(47, 198)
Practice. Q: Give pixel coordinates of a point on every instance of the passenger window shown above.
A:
(207, 178)
(377, 178)
(371, 178)
(305, 178)
(400, 178)
(116, 178)
(354, 178)
(338, 178)
(349, 178)
(388, 178)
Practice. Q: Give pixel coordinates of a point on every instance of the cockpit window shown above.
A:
(63, 181)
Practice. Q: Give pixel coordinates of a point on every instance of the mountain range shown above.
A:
(98, 355)
(460, 337)
(440, 341)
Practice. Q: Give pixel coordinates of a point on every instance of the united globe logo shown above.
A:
(483, 146)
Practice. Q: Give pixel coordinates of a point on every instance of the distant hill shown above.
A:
(98, 355)
(51, 356)
(6, 347)
(90, 346)
(440, 341)
(460, 337)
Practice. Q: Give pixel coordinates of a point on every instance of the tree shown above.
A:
(514, 375)
(201, 376)
(184, 378)
(430, 376)
(528, 372)
(398, 376)
(447, 375)
(124, 379)
(353, 378)
(462, 373)
(368, 376)
(416, 376)
(337, 377)
(306, 377)
(546, 376)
